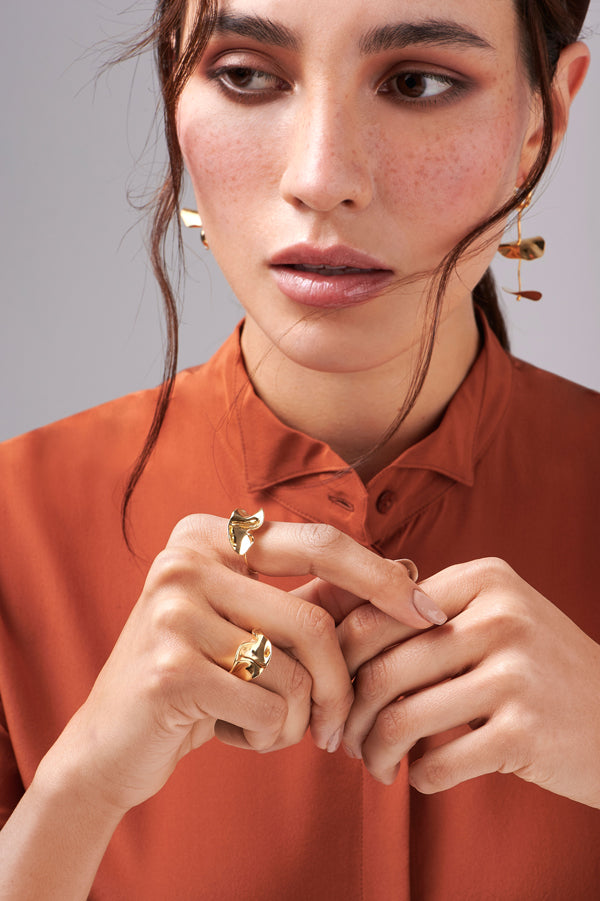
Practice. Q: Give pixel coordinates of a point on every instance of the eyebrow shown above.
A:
(430, 31)
(264, 30)
(378, 40)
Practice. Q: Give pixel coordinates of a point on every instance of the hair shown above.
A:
(547, 27)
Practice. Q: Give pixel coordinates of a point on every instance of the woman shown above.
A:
(353, 169)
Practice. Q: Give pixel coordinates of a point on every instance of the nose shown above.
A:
(328, 163)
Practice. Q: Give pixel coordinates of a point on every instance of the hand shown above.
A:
(508, 663)
(166, 689)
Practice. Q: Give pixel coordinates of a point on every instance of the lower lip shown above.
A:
(331, 291)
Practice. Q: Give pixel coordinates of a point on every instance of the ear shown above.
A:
(571, 70)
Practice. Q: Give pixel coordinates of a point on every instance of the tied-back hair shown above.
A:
(178, 40)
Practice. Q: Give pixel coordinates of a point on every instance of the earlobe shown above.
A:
(570, 74)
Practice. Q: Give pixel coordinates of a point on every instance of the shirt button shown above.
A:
(385, 501)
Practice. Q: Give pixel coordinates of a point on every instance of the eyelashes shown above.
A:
(250, 85)
(420, 87)
(413, 88)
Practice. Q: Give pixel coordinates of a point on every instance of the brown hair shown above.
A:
(548, 26)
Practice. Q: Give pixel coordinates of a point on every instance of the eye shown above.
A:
(418, 86)
(244, 81)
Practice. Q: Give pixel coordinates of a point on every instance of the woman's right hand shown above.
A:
(166, 689)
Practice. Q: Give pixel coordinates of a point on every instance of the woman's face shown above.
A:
(338, 150)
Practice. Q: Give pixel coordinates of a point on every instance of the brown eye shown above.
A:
(411, 84)
(246, 80)
(419, 86)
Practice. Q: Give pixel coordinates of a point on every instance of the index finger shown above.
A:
(317, 549)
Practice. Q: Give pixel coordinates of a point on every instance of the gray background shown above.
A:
(80, 321)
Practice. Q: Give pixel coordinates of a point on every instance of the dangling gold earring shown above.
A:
(191, 219)
(528, 249)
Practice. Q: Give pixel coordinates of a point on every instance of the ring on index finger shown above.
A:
(240, 530)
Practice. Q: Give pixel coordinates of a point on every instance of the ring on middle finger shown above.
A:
(252, 657)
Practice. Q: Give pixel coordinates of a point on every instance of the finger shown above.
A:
(455, 587)
(429, 712)
(335, 600)
(317, 549)
(192, 580)
(195, 638)
(477, 753)
(323, 551)
(259, 712)
(366, 632)
(282, 675)
(304, 630)
(425, 660)
(286, 677)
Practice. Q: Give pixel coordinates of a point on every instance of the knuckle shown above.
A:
(196, 528)
(272, 712)
(510, 622)
(172, 565)
(505, 673)
(315, 622)
(512, 730)
(170, 616)
(165, 675)
(363, 622)
(391, 725)
(434, 773)
(320, 536)
(496, 571)
(299, 682)
(373, 678)
(488, 574)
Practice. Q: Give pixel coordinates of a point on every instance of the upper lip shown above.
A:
(336, 256)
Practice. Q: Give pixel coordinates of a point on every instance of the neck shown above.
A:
(351, 411)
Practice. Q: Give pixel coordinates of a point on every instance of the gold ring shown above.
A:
(411, 568)
(240, 528)
(252, 657)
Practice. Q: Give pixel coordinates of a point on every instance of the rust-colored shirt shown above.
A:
(512, 471)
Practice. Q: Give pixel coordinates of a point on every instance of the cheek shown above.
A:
(449, 181)
(225, 162)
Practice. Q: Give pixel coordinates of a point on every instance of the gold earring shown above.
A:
(528, 249)
(191, 219)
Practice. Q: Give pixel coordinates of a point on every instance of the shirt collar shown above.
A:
(272, 453)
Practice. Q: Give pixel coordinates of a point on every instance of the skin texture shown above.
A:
(330, 158)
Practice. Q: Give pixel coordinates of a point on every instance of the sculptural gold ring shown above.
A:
(240, 529)
(411, 568)
(252, 657)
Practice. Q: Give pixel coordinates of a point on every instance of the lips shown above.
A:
(335, 276)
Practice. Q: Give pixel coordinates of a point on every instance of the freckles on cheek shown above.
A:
(221, 156)
(455, 178)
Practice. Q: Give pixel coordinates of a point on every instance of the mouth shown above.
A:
(329, 270)
(334, 276)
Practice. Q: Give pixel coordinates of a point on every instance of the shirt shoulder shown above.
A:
(546, 405)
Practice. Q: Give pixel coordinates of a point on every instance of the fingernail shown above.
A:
(427, 608)
(335, 740)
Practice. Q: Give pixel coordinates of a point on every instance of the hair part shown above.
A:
(178, 39)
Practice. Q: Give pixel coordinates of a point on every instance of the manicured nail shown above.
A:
(335, 740)
(428, 608)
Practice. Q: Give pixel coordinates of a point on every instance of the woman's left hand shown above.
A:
(508, 663)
